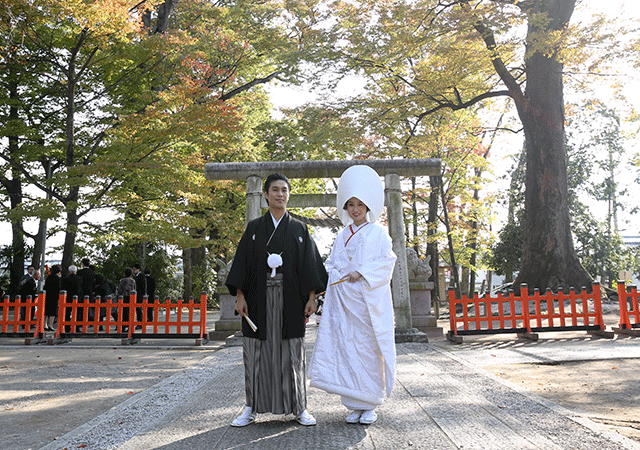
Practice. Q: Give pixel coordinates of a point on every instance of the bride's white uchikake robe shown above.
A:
(354, 354)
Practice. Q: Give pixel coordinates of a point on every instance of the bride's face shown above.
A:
(357, 210)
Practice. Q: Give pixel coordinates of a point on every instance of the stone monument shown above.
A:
(229, 323)
(420, 292)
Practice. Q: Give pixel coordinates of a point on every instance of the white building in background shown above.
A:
(630, 242)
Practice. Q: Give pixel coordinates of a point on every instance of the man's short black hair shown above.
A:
(274, 177)
(86, 262)
(136, 266)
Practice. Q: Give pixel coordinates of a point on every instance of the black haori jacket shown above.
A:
(302, 270)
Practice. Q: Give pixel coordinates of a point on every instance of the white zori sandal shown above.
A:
(244, 419)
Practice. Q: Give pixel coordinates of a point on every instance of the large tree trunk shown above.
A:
(432, 244)
(193, 270)
(162, 15)
(38, 247)
(18, 249)
(452, 254)
(187, 273)
(549, 258)
(474, 252)
(198, 256)
(71, 231)
(71, 199)
(14, 189)
(71, 202)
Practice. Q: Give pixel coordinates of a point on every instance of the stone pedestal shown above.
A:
(421, 316)
(410, 335)
(229, 323)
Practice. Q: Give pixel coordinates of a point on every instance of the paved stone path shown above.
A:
(442, 400)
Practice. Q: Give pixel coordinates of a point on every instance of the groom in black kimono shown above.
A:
(276, 273)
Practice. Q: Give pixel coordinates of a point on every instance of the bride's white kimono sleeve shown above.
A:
(354, 354)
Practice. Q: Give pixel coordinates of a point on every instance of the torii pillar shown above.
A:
(400, 284)
(254, 197)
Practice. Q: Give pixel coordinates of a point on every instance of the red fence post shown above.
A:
(40, 298)
(524, 302)
(628, 297)
(597, 303)
(622, 301)
(203, 313)
(62, 300)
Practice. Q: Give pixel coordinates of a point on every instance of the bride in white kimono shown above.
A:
(354, 354)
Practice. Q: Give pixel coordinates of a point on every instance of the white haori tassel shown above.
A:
(274, 261)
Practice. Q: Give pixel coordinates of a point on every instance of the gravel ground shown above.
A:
(603, 389)
(47, 391)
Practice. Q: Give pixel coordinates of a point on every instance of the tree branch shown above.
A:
(29, 177)
(247, 86)
(456, 106)
(488, 37)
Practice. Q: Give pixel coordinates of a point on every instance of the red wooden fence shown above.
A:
(527, 315)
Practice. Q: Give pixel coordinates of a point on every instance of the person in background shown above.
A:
(141, 290)
(29, 285)
(102, 287)
(275, 275)
(29, 289)
(151, 292)
(125, 288)
(72, 284)
(26, 276)
(103, 290)
(88, 277)
(52, 287)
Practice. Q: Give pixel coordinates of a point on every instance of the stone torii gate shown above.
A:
(390, 169)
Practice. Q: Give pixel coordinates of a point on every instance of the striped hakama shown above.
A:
(275, 368)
